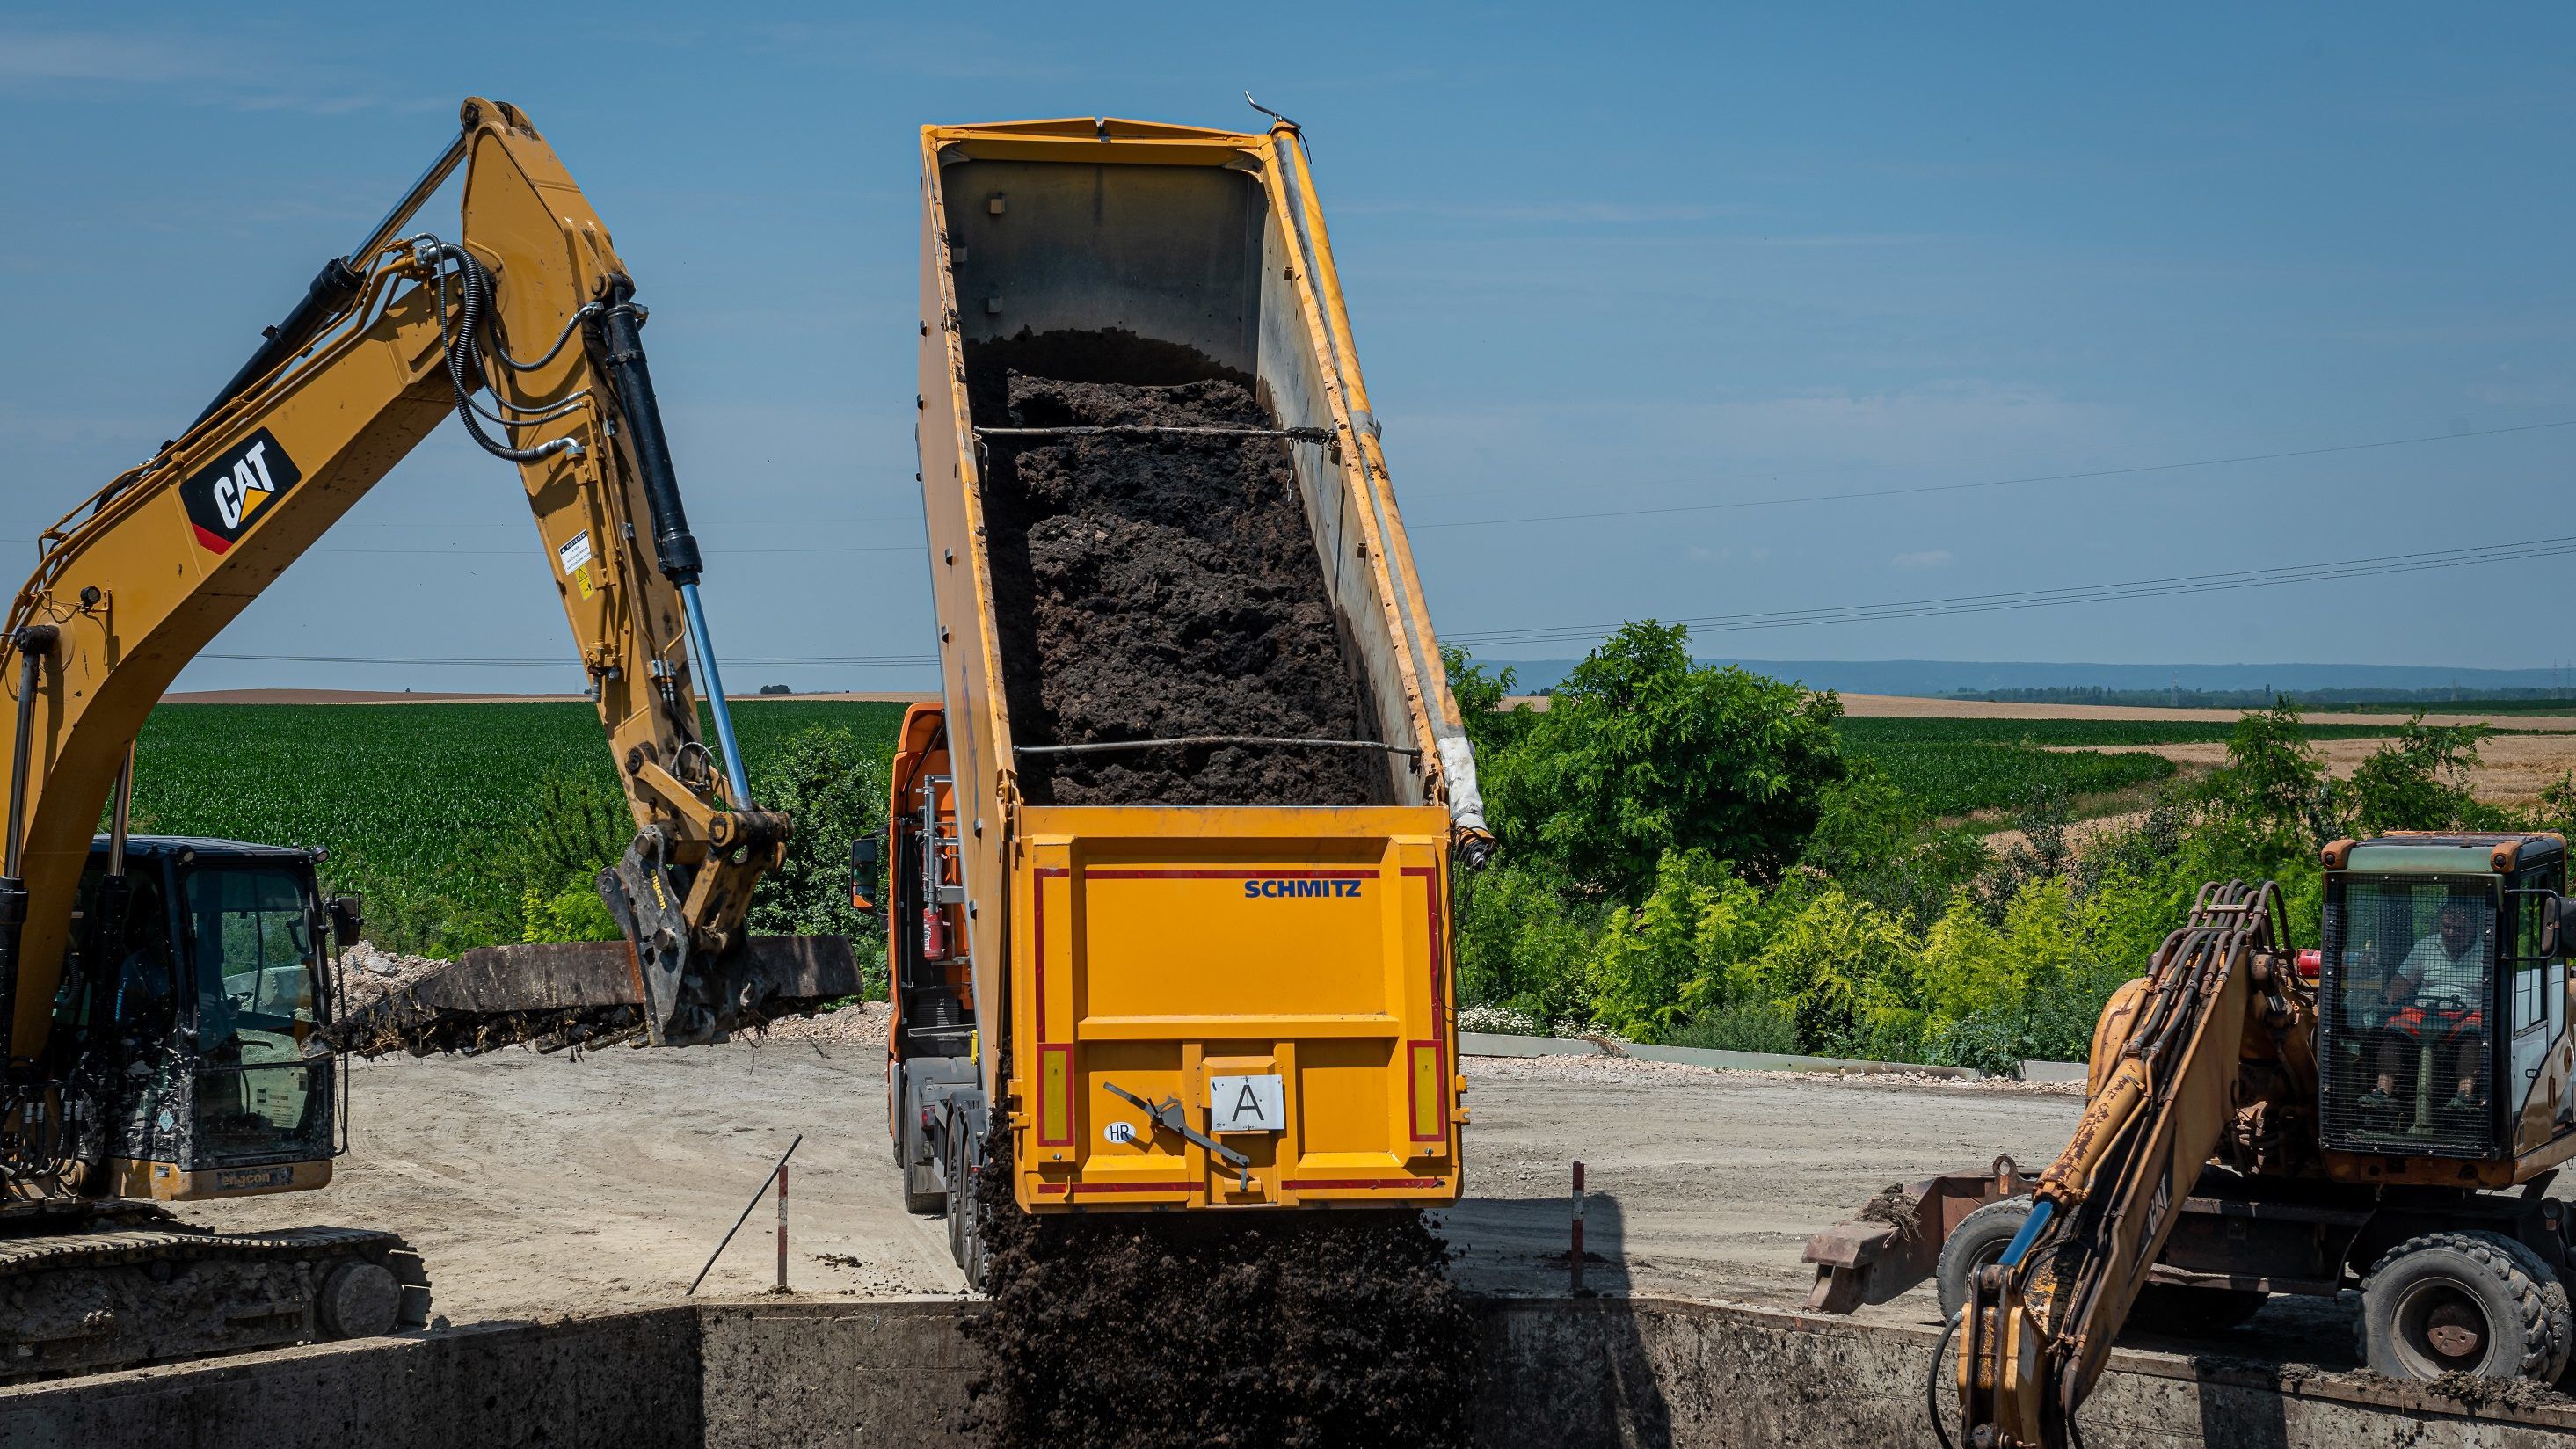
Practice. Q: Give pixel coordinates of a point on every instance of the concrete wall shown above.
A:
(874, 1375)
(1641, 1372)
(1665, 1372)
(627, 1380)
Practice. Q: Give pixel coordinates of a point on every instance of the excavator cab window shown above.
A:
(2537, 992)
(2408, 1006)
(256, 973)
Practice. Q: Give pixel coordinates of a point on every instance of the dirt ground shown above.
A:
(2510, 769)
(1907, 706)
(1903, 706)
(536, 1186)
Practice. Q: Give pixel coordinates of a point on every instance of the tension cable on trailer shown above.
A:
(1149, 430)
(1104, 746)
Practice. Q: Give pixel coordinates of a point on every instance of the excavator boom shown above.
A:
(525, 327)
(2039, 1325)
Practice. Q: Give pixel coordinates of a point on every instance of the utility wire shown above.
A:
(1991, 482)
(2259, 578)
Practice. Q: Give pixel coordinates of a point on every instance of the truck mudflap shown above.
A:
(1896, 1240)
(1240, 1007)
(591, 994)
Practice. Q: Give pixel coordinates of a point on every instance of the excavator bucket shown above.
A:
(591, 994)
(1896, 1240)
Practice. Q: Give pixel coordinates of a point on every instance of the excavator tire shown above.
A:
(1980, 1238)
(2473, 1302)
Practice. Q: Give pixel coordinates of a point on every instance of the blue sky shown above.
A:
(1598, 259)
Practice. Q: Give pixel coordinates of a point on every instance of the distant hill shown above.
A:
(2232, 682)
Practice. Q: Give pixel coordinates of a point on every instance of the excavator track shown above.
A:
(140, 1287)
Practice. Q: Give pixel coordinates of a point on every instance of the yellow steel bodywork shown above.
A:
(169, 1182)
(1155, 947)
(135, 590)
(1155, 979)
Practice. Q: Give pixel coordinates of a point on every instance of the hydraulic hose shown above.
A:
(464, 356)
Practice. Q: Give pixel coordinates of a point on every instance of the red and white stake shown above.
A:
(1574, 1258)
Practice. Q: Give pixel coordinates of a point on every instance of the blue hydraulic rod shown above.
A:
(706, 652)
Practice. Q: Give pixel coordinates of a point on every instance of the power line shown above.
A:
(2272, 577)
(1992, 482)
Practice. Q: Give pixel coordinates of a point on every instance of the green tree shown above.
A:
(575, 828)
(2419, 781)
(1522, 937)
(1871, 838)
(835, 792)
(2273, 778)
(1491, 728)
(1641, 753)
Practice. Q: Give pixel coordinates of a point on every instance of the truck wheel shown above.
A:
(2179, 1308)
(1980, 1238)
(2475, 1303)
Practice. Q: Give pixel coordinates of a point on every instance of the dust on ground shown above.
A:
(535, 1185)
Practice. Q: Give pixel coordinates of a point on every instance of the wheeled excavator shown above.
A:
(170, 1004)
(2384, 1111)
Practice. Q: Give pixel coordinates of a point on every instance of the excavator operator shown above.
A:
(2435, 998)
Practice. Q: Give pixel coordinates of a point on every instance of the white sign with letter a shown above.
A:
(1247, 1104)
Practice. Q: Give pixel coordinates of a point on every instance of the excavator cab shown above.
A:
(195, 998)
(2442, 989)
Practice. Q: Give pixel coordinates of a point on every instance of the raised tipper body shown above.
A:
(1207, 1005)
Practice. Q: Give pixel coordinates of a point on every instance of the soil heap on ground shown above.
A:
(1163, 586)
(1299, 1330)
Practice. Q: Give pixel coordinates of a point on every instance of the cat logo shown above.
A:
(224, 500)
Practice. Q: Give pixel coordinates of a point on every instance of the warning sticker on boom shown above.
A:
(224, 499)
(575, 556)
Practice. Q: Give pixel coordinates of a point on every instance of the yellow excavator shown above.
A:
(2384, 1111)
(171, 1004)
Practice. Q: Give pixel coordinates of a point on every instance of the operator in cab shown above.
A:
(2436, 996)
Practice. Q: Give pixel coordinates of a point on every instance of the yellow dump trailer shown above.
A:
(1207, 1005)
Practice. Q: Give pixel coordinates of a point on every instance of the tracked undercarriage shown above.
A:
(86, 1287)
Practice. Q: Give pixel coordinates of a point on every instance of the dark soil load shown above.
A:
(1154, 587)
(1254, 1329)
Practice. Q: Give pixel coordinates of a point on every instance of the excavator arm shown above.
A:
(2038, 1326)
(524, 325)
